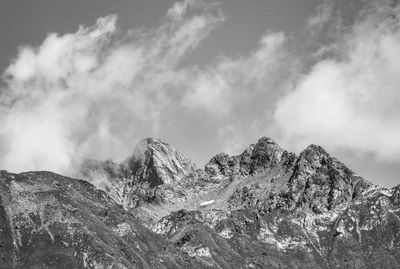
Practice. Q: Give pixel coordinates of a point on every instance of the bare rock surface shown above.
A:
(51, 221)
(153, 163)
(265, 208)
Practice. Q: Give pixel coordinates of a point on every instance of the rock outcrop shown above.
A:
(153, 163)
(51, 221)
(259, 157)
(156, 162)
(265, 208)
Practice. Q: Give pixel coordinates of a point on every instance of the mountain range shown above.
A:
(264, 208)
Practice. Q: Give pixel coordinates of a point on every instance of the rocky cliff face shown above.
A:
(156, 162)
(265, 208)
(152, 163)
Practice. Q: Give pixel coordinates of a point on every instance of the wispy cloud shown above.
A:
(322, 16)
(232, 83)
(94, 92)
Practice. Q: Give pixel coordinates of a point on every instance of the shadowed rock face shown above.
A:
(265, 208)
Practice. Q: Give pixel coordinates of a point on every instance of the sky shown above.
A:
(89, 79)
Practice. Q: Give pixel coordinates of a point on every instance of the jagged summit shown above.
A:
(264, 155)
(267, 154)
(151, 144)
(321, 182)
(279, 180)
(313, 180)
(264, 208)
(153, 162)
(156, 162)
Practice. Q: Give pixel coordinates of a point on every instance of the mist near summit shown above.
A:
(94, 92)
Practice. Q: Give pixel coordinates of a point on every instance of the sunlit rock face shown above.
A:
(153, 163)
(156, 162)
(265, 208)
(260, 157)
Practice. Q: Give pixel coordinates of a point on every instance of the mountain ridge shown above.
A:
(264, 208)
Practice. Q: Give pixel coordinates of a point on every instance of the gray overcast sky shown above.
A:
(206, 76)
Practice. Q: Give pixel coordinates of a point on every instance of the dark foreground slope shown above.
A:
(51, 221)
(265, 208)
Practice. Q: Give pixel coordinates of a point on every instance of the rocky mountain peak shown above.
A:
(321, 182)
(311, 158)
(314, 151)
(157, 162)
(264, 208)
(315, 161)
(152, 145)
(266, 140)
(266, 154)
(152, 163)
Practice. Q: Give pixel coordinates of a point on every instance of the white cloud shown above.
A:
(179, 9)
(94, 92)
(352, 101)
(223, 88)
